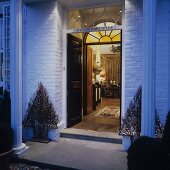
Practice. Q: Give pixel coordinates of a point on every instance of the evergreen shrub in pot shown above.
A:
(166, 138)
(131, 122)
(166, 135)
(6, 144)
(41, 115)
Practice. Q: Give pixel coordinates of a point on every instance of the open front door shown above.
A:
(74, 80)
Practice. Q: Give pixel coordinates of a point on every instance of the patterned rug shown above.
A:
(108, 112)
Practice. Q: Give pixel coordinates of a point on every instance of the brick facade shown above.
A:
(42, 58)
(162, 55)
(133, 28)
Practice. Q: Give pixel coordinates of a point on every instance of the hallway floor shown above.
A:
(103, 124)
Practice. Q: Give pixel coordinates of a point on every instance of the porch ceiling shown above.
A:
(35, 1)
(78, 3)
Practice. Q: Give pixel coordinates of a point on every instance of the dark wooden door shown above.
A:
(74, 80)
(89, 80)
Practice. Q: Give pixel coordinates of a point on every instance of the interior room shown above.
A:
(103, 88)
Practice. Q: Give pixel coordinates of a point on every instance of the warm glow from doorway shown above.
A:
(104, 36)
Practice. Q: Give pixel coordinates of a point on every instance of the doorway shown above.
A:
(94, 81)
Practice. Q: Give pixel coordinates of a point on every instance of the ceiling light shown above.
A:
(79, 16)
(120, 11)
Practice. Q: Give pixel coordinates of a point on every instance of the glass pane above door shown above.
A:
(92, 17)
(104, 36)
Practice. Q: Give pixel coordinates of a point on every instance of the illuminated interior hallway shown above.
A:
(99, 124)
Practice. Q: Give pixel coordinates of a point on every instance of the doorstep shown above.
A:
(90, 135)
(76, 154)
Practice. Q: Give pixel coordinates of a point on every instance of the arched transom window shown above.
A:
(110, 36)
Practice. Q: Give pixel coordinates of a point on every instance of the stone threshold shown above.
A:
(90, 135)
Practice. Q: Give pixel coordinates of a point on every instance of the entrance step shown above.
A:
(91, 135)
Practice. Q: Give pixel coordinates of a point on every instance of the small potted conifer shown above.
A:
(41, 116)
(131, 122)
(166, 138)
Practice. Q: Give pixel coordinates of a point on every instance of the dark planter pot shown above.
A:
(5, 160)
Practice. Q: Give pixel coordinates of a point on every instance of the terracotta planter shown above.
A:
(5, 160)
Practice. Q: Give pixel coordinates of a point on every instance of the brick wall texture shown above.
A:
(42, 56)
(134, 52)
(162, 55)
(133, 29)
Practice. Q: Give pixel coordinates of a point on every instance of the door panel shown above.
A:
(89, 80)
(74, 80)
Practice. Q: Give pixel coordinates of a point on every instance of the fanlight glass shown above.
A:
(104, 36)
(90, 17)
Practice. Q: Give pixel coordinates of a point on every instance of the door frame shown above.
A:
(84, 74)
(84, 81)
(63, 123)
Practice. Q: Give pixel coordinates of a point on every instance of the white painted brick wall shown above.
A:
(42, 58)
(133, 53)
(133, 47)
(162, 55)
